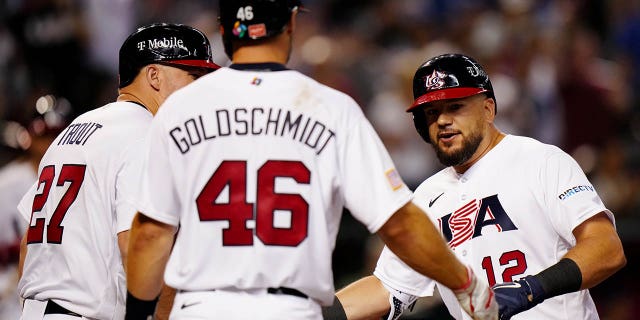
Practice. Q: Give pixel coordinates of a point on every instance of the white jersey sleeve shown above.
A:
(157, 196)
(371, 182)
(127, 184)
(570, 197)
(396, 274)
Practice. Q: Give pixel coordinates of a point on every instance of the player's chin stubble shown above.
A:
(461, 155)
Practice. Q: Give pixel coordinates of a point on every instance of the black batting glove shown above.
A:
(517, 296)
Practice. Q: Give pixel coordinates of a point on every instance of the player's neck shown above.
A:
(276, 50)
(491, 140)
(138, 98)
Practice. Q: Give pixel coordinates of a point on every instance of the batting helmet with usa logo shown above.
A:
(447, 76)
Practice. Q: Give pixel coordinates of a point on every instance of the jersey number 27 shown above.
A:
(73, 173)
(233, 174)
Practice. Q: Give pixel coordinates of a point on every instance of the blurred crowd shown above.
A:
(566, 72)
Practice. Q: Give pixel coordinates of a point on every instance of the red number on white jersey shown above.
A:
(237, 210)
(69, 173)
(518, 268)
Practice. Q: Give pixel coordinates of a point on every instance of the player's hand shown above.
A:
(517, 296)
(477, 299)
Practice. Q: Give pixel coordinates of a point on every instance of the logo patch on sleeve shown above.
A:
(573, 190)
(394, 179)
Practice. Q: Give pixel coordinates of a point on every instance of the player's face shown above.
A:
(456, 128)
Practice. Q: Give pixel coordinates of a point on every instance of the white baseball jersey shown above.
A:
(76, 209)
(510, 215)
(256, 167)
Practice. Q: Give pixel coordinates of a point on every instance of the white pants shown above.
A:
(34, 310)
(254, 304)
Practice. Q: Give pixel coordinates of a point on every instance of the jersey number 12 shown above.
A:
(514, 260)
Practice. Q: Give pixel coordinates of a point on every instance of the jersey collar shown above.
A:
(266, 66)
(136, 102)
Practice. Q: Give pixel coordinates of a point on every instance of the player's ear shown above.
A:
(489, 109)
(291, 26)
(152, 74)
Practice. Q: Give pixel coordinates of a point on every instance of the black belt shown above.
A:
(289, 291)
(280, 290)
(54, 308)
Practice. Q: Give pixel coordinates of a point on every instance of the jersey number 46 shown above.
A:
(233, 174)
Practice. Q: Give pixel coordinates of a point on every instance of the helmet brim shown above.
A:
(444, 94)
(195, 63)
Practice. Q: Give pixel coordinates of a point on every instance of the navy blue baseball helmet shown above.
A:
(447, 76)
(252, 20)
(172, 44)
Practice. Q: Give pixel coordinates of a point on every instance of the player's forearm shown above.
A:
(598, 251)
(123, 244)
(364, 299)
(150, 245)
(415, 240)
(165, 303)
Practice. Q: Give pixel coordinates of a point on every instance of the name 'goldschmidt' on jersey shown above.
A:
(252, 121)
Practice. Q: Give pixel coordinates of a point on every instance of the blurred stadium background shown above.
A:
(566, 72)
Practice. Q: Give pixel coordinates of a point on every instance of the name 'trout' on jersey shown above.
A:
(76, 209)
(256, 167)
(510, 215)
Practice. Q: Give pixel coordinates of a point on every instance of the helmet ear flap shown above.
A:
(420, 122)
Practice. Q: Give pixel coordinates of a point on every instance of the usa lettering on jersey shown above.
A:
(468, 221)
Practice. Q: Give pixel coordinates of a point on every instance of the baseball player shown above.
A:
(254, 163)
(76, 242)
(16, 177)
(521, 213)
